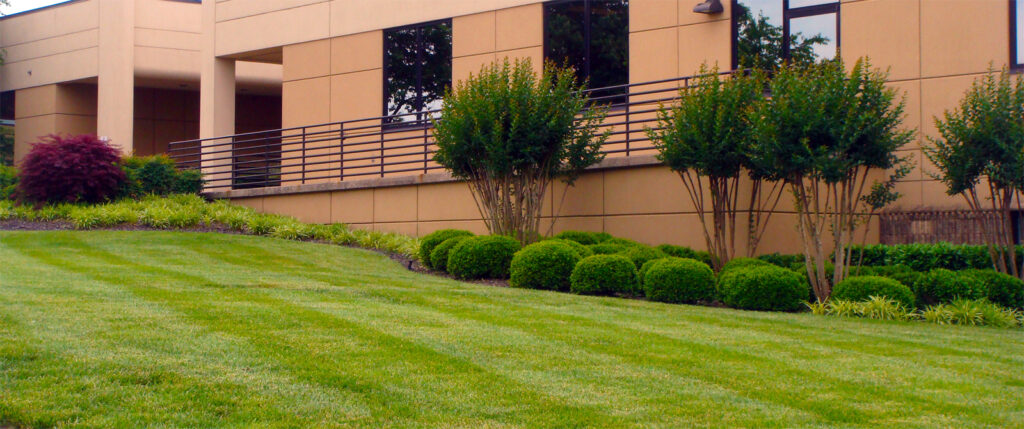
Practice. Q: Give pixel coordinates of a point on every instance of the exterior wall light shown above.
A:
(709, 7)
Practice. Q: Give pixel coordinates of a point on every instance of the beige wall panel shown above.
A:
(355, 206)
(584, 198)
(959, 36)
(536, 56)
(475, 226)
(473, 34)
(463, 67)
(40, 100)
(309, 208)
(252, 203)
(519, 27)
(446, 201)
(169, 15)
(934, 196)
(306, 102)
(234, 9)
(75, 124)
(167, 64)
(651, 14)
(405, 228)
(52, 46)
(307, 60)
(939, 95)
(29, 130)
(687, 17)
(912, 194)
(567, 223)
(357, 52)
(396, 204)
(70, 66)
(896, 47)
(355, 16)
(167, 39)
(705, 43)
(657, 229)
(644, 190)
(356, 95)
(50, 22)
(653, 55)
(289, 26)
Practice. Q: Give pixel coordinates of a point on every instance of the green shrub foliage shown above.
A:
(782, 260)
(429, 241)
(487, 256)
(745, 262)
(585, 238)
(685, 252)
(157, 175)
(580, 249)
(863, 287)
(607, 248)
(924, 256)
(8, 181)
(641, 254)
(943, 286)
(1003, 289)
(439, 256)
(679, 280)
(604, 275)
(544, 265)
(765, 287)
(646, 266)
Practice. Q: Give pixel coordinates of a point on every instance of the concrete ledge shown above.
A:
(417, 179)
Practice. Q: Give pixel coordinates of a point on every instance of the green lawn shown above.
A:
(128, 329)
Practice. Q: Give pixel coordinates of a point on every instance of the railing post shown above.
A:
(303, 155)
(341, 151)
(426, 148)
(380, 156)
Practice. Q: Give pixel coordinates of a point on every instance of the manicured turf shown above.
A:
(128, 329)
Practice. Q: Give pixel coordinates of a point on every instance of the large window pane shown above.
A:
(418, 69)
(1017, 6)
(565, 34)
(813, 38)
(592, 36)
(762, 40)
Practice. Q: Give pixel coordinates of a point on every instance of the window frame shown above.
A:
(789, 14)
(420, 117)
(586, 36)
(1016, 63)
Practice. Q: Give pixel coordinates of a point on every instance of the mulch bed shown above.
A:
(407, 262)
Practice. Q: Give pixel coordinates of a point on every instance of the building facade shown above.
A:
(127, 70)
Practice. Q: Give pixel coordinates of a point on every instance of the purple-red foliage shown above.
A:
(79, 168)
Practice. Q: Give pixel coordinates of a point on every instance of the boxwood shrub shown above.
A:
(1003, 289)
(640, 254)
(606, 248)
(745, 262)
(439, 256)
(762, 288)
(861, 288)
(583, 237)
(582, 250)
(782, 260)
(942, 286)
(646, 266)
(485, 256)
(604, 275)
(679, 280)
(623, 241)
(157, 175)
(685, 252)
(429, 241)
(544, 265)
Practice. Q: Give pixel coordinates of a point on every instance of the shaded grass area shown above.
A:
(194, 329)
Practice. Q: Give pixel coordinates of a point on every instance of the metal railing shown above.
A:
(386, 146)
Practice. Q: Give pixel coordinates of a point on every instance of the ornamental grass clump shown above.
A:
(510, 133)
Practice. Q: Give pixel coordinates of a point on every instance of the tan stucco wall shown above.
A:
(52, 109)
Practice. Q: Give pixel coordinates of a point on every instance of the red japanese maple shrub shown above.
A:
(80, 168)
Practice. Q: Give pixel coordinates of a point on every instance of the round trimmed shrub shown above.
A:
(646, 266)
(603, 275)
(582, 250)
(544, 265)
(485, 256)
(585, 238)
(762, 288)
(744, 262)
(677, 251)
(439, 256)
(430, 241)
(72, 169)
(861, 288)
(641, 254)
(940, 286)
(1003, 289)
(679, 280)
(606, 248)
(622, 241)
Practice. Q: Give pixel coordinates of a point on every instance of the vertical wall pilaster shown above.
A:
(216, 97)
(116, 72)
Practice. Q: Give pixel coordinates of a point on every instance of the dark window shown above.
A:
(417, 70)
(1016, 35)
(768, 32)
(593, 37)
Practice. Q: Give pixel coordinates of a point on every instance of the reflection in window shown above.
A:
(1016, 33)
(593, 37)
(417, 69)
(767, 33)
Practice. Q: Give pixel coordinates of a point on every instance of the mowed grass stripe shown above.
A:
(141, 358)
(618, 362)
(266, 323)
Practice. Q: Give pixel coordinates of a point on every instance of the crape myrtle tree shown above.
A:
(981, 145)
(826, 133)
(703, 138)
(510, 133)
